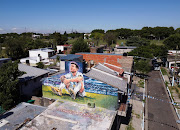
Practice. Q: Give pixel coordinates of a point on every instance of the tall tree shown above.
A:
(80, 46)
(9, 90)
(173, 41)
(110, 38)
(136, 41)
(142, 66)
(98, 31)
(15, 48)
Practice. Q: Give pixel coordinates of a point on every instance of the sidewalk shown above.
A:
(137, 108)
(175, 94)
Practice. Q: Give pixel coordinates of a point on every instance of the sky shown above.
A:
(47, 16)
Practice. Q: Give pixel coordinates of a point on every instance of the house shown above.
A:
(123, 49)
(87, 35)
(37, 55)
(30, 83)
(98, 49)
(125, 62)
(107, 75)
(63, 49)
(34, 36)
(173, 58)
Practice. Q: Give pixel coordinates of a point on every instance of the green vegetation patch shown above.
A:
(164, 72)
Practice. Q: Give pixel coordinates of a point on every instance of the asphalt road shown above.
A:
(161, 115)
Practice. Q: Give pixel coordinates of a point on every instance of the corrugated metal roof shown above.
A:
(109, 79)
(2, 59)
(20, 114)
(55, 56)
(105, 69)
(126, 47)
(115, 68)
(31, 72)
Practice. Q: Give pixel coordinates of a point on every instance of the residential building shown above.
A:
(35, 36)
(37, 55)
(173, 58)
(65, 49)
(87, 35)
(123, 49)
(125, 62)
(31, 82)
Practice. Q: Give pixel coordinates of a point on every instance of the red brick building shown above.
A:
(119, 60)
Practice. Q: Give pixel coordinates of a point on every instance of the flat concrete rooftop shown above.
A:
(70, 115)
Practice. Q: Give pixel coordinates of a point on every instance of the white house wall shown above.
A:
(62, 65)
(35, 54)
(173, 62)
(60, 48)
(128, 77)
(121, 51)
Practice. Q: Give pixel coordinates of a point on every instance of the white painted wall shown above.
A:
(62, 65)
(121, 51)
(33, 53)
(60, 48)
(173, 62)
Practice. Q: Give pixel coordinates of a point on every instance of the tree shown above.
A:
(142, 66)
(149, 51)
(98, 31)
(178, 30)
(40, 65)
(97, 36)
(15, 48)
(110, 38)
(80, 46)
(162, 32)
(142, 51)
(136, 41)
(9, 90)
(172, 41)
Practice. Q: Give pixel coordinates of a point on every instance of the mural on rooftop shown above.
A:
(79, 88)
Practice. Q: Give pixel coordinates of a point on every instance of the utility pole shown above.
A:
(174, 66)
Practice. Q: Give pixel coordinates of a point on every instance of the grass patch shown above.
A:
(137, 115)
(130, 127)
(105, 101)
(141, 83)
(157, 42)
(164, 72)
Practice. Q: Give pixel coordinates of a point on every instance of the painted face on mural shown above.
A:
(73, 68)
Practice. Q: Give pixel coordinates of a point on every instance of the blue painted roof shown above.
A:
(71, 57)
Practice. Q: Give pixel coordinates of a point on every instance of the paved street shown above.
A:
(161, 115)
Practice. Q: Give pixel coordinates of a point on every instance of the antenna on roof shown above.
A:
(117, 60)
(104, 60)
